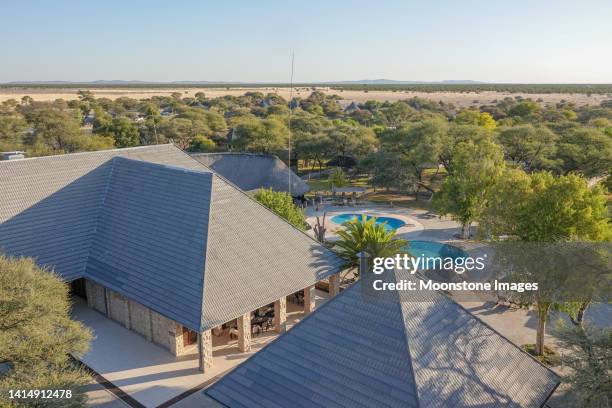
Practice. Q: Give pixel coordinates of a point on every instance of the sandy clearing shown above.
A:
(457, 98)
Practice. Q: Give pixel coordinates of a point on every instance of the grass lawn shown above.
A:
(318, 185)
(398, 200)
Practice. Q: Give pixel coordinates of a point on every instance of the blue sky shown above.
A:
(494, 41)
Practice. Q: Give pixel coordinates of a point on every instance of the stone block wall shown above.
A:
(96, 298)
(167, 333)
(140, 320)
(136, 317)
(119, 308)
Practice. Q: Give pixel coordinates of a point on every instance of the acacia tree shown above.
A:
(37, 335)
(55, 131)
(261, 135)
(465, 192)
(546, 215)
(476, 118)
(458, 133)
(12, 130)
(585, 151)
(529, 146)
(386, 172)
(124, 132)
(418, 146)
(350, 140)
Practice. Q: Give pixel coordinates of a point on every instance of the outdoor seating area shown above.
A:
(340, 196)
(262, 319)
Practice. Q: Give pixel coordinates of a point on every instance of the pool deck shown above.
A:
(412, 226)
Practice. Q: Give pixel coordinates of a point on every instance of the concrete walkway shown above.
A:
(147, 372)
(143, 370)
(99, 397)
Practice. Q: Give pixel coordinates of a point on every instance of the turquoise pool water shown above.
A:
(434, 249)
(388, 222)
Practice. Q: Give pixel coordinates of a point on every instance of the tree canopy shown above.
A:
(37, 335)
(282, 204)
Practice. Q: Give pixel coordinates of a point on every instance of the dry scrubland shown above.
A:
(456, 98)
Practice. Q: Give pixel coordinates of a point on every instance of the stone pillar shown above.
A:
(244, 332)
(309, 299)
(334, 285)
(205, 350)
(107, 302)
(280, 315)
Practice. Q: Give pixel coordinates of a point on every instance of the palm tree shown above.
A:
(366, 235)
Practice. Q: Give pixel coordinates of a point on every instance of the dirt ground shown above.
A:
(457, 98)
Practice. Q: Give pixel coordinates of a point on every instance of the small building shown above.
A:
(14, 155)
(352, 107)
(252, 171)
(388, 349)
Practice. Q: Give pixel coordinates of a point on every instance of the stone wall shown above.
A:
(140, 319)
(96, 298)
(118, 307)
(136, 317)
(167, 333)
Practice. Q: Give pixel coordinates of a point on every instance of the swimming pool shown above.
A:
(431, 249)
(389, 223)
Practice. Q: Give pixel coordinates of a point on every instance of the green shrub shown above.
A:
(282, 204)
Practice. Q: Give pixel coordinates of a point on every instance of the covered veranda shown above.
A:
(151, 375)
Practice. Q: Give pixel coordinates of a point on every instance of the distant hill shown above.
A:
(395, 82)
(136, 82)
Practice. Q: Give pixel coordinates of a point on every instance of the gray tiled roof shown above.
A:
(158, 227)
(252, 171)
(150, 238)
(359, 352)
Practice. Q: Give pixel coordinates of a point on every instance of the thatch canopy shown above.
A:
(252, 171)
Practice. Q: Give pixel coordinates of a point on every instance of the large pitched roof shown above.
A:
(158, 227)
(394, 351)
(252, 171)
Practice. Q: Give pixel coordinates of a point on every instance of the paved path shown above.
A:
(99, 397)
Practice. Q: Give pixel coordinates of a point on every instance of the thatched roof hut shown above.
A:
(252, 171)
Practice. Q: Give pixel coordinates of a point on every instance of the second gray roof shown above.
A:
(393, 351)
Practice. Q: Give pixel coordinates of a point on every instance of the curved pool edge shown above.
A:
(411, 225)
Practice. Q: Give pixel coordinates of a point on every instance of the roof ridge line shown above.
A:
(84, 153)
(99, 210)
(162, 165)
(210, 205)
(405, 333)
(237, 153)
(420, 276)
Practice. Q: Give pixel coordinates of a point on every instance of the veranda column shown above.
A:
(244, 332)
(205, 350)
(334, 285)
(280, 315)
(309, 299)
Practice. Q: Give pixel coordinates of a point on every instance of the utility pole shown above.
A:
(290, 112)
